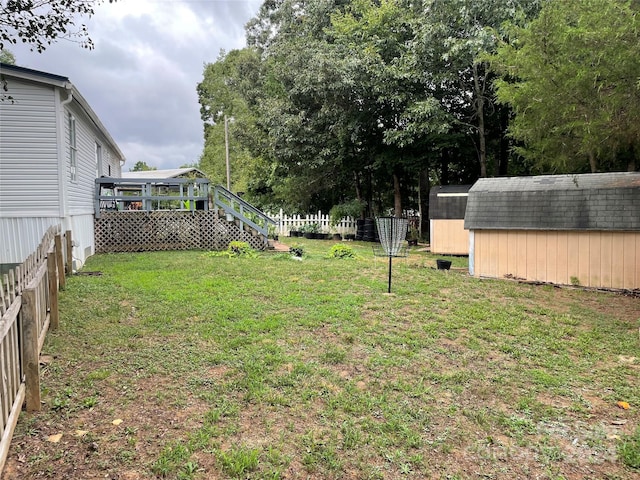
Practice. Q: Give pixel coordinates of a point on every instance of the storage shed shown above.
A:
(447, 206)
(562, 229)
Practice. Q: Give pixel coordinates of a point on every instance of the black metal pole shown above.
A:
(390, 254)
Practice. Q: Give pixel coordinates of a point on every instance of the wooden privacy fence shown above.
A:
(287, 223)
(28, 307)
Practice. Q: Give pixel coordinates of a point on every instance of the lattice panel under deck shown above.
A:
(134, 231)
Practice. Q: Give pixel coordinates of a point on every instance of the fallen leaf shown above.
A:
(80, 433)
(619, 422)
(623, 405)
(54, 438)
(117, 421)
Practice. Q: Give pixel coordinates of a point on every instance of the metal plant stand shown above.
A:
(392, 232)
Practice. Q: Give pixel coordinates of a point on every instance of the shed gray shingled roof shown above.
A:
(594, 201)
(448, 202)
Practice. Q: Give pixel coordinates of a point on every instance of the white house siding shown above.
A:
(80, 193)
(110, 159)
(28, 149)
(81, 227)
(19, 237)
(35, 186)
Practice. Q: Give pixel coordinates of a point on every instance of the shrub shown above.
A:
(351, 209)
(234, 250)
(240, 249)
(310, 228)
(296, 250)
(341, 251)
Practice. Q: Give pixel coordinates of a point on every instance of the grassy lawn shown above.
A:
(187, 366)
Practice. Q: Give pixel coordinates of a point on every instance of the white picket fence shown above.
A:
(287, 223)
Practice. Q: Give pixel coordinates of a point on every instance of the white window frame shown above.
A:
(99, 157)
(73, 149)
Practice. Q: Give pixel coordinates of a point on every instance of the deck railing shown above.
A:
(123, 194)
(236, 209)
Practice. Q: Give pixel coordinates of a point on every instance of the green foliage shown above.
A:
(629, 449)
(41, 23)
(571, 78)
(352, 208)
(240, 249)
(141, 166)
(296, 249)
(238, 461)
(234, 250)
(310, 228)
(7, 57)
(340, 250)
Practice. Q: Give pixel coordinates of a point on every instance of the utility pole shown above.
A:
(226, 151)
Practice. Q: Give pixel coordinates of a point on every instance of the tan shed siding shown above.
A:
(449, 237)
(28, 151)
(631, 267)
(596, 258)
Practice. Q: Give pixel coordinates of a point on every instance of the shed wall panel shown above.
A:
(631, 264)
(28, 151)
(593, 259)
(552, 257)
(617, 264)
(449, 237)
(541, 258)
(562, 258)
(584, 260)
(606, 266)
(530, 255)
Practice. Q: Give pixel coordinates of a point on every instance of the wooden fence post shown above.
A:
(31, 354)
(69, 252)
(53, 290)
(60, 260)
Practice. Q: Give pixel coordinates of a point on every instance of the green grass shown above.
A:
(262, 366)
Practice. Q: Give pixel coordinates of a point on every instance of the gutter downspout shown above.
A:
(62, 171)
(62, 177)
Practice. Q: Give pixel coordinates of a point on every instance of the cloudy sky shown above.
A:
(141, 77)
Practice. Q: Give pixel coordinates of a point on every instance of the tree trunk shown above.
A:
(444, 167)
(631, 164)
(503, 160)
(397, 196)
(356, 181)
(423, 202)
(593, 162)
(482, 141)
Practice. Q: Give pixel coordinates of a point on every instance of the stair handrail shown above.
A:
(220, 193)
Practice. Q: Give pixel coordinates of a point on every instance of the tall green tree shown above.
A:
(571, 78)
(453, 38)
(400, 103)
(141, 166)
(228, 89)
(7, 57)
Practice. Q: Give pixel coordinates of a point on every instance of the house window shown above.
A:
(73, 150)
(98, 160)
